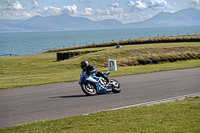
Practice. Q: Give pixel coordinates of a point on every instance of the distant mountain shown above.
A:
(186, 17)
(57, 23)
(66, 22)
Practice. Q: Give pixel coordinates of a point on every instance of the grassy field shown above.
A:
(19, 71)
(180, 116)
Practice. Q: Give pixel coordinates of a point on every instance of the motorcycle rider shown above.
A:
(90, 69)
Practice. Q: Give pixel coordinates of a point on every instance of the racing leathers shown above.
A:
(91, 69)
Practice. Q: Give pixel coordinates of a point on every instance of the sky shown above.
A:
(125, 11)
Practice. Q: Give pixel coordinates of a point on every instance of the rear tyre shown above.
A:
(89, 89)
(116, 87)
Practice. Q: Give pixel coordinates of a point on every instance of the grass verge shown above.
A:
(170, 117)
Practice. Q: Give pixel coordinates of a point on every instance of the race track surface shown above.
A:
(29, 104)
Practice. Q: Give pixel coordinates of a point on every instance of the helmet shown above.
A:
(84, 64)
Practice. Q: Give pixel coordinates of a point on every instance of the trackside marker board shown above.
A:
(112, 65)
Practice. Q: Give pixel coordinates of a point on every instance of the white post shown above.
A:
(112, 65)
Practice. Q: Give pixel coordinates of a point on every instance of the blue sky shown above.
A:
(126, 11)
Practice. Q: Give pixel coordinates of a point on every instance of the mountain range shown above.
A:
(185, 17)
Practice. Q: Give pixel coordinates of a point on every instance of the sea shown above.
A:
(27, 43)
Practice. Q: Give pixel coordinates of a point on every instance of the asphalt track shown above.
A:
(29, 104)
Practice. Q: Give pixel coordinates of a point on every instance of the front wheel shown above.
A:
(116, 87)
(89, 89)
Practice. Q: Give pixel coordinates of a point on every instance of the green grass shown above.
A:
(22, 71)
(171, 117)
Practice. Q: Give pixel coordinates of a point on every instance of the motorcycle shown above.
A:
(93, 85)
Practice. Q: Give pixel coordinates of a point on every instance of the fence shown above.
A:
(122, 39)
(3, 55)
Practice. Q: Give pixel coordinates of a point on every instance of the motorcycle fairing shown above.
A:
(99, 86)
(92, 79)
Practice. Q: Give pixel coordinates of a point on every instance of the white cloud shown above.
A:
(144, 16)
(116, 10)
(131, 3)
(15, 10)
(26, 14)
(115, 5)
(101, 12)
(8, 14)
(88, 12)
(153, 4)
(70, 9)
(50, 10)
(14, 5)
(138, 5)
(34, 3)
(157, 3)
(95, 12)
(195, 3)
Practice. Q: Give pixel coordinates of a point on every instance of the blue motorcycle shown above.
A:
(92, 85)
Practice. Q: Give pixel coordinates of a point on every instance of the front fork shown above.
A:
(88, 84)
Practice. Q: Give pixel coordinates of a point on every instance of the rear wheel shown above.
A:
(89, 89)
(116, 87)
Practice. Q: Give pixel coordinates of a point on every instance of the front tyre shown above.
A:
(116, 87)
(88, 89)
